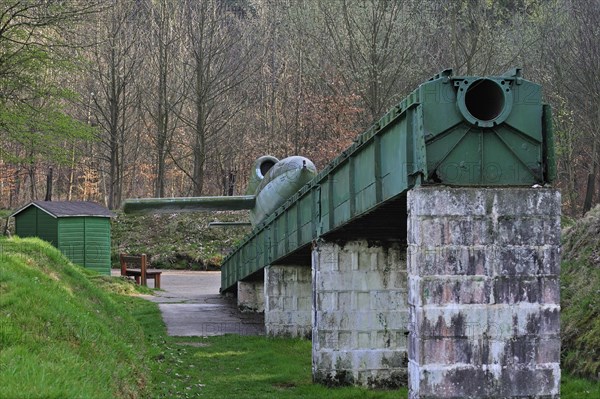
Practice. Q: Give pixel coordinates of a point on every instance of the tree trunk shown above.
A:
(49, 186)
(113, 132)
(32, 188)
(162, 122)
(71, 174)
(199, 148)
(199, 160)
(16, 191)
(589, 192)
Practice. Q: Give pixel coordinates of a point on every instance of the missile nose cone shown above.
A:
(307, 164)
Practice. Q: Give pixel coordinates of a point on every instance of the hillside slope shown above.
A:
(177, 240)
(580, 296)
(61, 335)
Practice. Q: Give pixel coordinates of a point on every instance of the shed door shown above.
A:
(97, 244)
(72, 239)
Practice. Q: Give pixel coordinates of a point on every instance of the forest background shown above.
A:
(138, 98)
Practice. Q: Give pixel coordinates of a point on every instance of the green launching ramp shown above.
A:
(452, 130)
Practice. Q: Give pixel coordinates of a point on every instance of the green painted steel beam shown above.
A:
(452, 130)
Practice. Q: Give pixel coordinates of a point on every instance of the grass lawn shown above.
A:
(233, 366)
(255, 367)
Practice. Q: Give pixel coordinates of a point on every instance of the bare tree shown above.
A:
(570, 65)
(221, 51)
(366, 43)
(187, 93)
(116, 61)
(163, 88)
(585, 83)
(31, 33)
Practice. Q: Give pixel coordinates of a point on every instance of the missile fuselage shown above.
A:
(282, 181)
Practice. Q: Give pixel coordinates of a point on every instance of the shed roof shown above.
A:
(69, 208)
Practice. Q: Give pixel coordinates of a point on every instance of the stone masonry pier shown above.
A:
(483, 270)
(251, 295)
(288, 301)
(360, 314)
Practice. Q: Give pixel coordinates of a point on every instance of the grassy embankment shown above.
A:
(62, 334)
(580, 296)
(177, 241)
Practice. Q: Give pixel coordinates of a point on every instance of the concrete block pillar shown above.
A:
(288, 301)
(360, 314)
(251, 296)
(483, 270)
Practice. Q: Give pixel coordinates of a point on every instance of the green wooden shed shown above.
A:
(79, 229)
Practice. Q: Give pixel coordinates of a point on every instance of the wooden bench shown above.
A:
(136, 266)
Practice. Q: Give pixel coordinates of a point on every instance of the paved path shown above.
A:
(191, 305)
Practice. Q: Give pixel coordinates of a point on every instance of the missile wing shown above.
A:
(189, 204)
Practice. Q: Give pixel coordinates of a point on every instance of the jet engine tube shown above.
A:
(261, 166)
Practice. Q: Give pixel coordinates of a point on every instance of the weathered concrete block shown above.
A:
(444, 201)
(484, 351)
(528, 230)
(515, 289)
(465, 381)
(472, 260)
(452, 321)
(360, 314)
(349, 315)
(511, 260)
(506, 321)
(251, 296)
(380, 368)
(361, 280)
(288, 301)
(460, 201)
(453, 230)
(484, 293)
(520, 201)
(437, 290)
